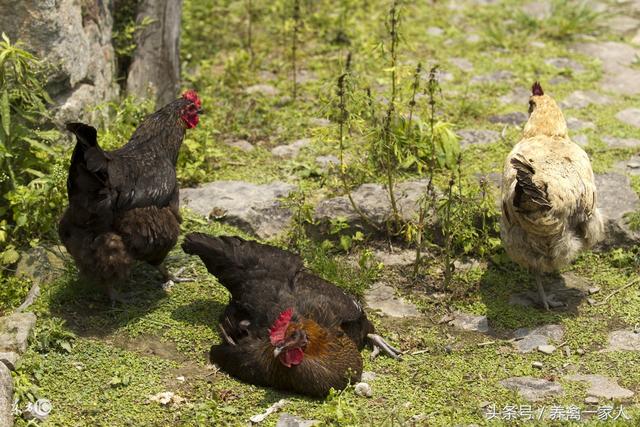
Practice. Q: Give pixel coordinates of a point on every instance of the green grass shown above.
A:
(122, 356)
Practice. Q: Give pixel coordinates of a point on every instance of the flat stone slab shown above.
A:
(623, 340)
(529, 340)
(630, 166)
(630, 116)
(288, 420)
(15, 330)
(326, 162)
(9, 358)
(577, 124)
(616, 198)
(604, 387)
(241, 144)
(496, 77)
(291, 150)
(477, 137)
(463, 63)
(615, 142)
(532, 389)
(373, 201)
(519, 96)
(565, 63)
(622, 81)
(382, 297)
(400, 258)
(515, 118)
(470, 322)
(612, 54)
(254, 208)
(42, 265)
(582, 99)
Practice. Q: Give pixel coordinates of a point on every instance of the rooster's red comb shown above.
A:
(192, 96)
(279, 328)
(536, 89)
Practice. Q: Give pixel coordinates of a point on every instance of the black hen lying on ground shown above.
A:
(284, 327)
(123, 204)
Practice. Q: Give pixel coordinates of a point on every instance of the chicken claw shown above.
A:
(546, 301)
(171, 279)
(380, 344)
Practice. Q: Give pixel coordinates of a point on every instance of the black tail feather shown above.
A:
(528, 197)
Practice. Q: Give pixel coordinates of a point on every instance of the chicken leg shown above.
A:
(379, 343)
(546, 302)
(171, 279)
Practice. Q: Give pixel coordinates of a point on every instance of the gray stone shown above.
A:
(537, 365)
(382, 297)
(582, 140)
(630, 116)
(546, 348)
(520, 96)
(581, 99)
(622, 24)
(363, 389)
(400, 258)
(42, 265)
(577, 124)
(539, 10)
(155, 66)
(532, 389)
(368, 376)
(291, 150)
(622, 81)
(15, 330)
(473, 38)
(327, 162)
(514, 118)
(305, 76)
(604, 387)
(477, 137)
(470, 322)
(630, 166)
(591, 400)
(288, 420)
(6, 397)
(9, 358)
(616, 199)
(75, 37)
(463, 63)
(241, 144)
(565, 63)
(612, 54)
(615, 142)
(373, 201)
(253, 208)
(435, 31)
(262, 89)
(496, 77)
(530, 339)
(623, 340)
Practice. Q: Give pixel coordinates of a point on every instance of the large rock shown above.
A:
(155, 67)
(470, 322)
(6, 397)
(15, 330)
(289, 151)
(630, 116)
(41, 265)
(581, 99)
(373, 201)
(616, 199)
(617, 59)
(477, 137)
(75, 37)
(527, 340)
(604, 387)
(253, 208)
(532, 389)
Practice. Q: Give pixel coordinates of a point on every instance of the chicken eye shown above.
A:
(532, 105)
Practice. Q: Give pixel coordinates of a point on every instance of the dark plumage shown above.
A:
(329, 326)
(123, 204)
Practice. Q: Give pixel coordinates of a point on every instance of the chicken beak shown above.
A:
(277, 351)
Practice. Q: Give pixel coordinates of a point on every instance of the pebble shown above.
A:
(567, 351)
(594, 290)
(546, 349)
(591, 400)
(448, 349)
(580, 351)
(591, 301)
(364, 390)
(538, 365)
(368, 376)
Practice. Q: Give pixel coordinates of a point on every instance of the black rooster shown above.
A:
(123, 204)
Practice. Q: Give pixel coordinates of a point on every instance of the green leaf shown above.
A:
(9, 256)
(65, 345)
(5, 111)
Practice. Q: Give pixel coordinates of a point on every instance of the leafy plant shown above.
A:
(51, 335)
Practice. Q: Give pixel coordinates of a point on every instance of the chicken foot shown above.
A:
(171, 279)
(546, 301)
(379, 343)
